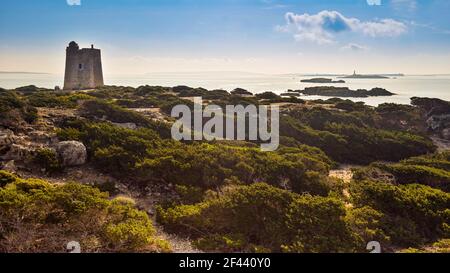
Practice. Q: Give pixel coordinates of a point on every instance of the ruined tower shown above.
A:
(83, 68)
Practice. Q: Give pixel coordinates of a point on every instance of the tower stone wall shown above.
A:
(83, 68)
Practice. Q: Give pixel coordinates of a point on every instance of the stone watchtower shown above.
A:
(83, 68)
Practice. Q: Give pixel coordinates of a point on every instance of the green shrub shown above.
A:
(6, 178)
(432, 170)
(47, 159)
(241, 91)
(151, 159)
(41, 217)
(268, 96)
(442, 246)
(48, 99)
(14, 109)
(97, 109)
(28, 89)
(10, 100)
(413, 213)
(259, 218)
(151, 90)
(410, 174)
(189, 194)
(353, 137)
(109, 187)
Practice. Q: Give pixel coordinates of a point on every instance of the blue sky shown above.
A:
(269, 36)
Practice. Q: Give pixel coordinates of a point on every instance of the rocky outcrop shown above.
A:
(432, 107)
(42, 137)
(6, 138)
(21, 147)
(19, 152)
(9, 166)
(437, 115)
(71, 153)
(127, 125)
(446, 133)
(438, 122)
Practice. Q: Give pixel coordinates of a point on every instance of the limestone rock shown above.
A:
(40, 137)
(6, 138)
(438, 122)
(71, 153)
(446, 134)
(128, 125)
(10, 166)
(19, 152)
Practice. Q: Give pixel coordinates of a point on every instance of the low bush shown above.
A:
(261, 218)
(152, 159)
(432, 170)
(37, 216)
(97, 109)
(15, 110)
(47, 159)
(413, 214)
(6, 178)
(348, 139)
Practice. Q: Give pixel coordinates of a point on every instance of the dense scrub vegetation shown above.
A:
(229, 195)
(412, 214)
(36, 216)
(53, 100)
(432, 170)
(14, 110)
(152, 159)
(261, 218)
(355, 136)
(100, 110)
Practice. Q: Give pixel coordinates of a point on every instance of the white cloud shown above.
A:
(321, 28)
(404, 5)
(374, 2)
(74, 2)
(354, 47)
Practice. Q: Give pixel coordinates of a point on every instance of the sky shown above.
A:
(261, 36)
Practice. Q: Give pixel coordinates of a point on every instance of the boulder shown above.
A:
(10, 166)
(446, 134)
(71, 153)
(128, 125)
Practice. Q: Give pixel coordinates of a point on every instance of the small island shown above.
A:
(344, 92)
(322, 80)
(360, 76)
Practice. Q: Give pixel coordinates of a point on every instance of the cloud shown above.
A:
(354, 47)
(404, 5)
(321, 28)
(430, 27)
(374, 2)
(74, 2)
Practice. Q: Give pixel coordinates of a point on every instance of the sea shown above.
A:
(405, 87)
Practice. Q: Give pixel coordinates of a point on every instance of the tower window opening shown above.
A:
(80, 66)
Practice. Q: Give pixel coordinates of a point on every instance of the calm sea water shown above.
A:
(405, 87)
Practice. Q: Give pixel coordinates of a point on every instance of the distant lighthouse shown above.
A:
(83, 68)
